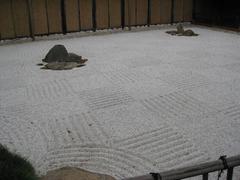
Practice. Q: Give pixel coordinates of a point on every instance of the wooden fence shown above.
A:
(198, 170)
(25, 18)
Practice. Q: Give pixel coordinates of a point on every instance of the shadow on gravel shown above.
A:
(69, 173)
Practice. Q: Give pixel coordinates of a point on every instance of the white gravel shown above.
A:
(146, 101)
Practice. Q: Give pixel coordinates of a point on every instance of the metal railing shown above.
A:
(203, 170)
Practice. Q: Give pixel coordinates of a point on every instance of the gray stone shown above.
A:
(56, 54)
(59, 59)
(180, 32)
(189, 32)
(180, 29)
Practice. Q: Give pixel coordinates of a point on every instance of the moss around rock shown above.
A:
(59, 59)
(62, 65)
(14, 167)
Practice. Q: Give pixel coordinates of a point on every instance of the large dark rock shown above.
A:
(59, 54)
(56, 54)
(59, 59)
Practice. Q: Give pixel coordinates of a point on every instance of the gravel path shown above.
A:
(145, 101)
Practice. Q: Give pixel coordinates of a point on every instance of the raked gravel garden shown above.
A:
(145, 102)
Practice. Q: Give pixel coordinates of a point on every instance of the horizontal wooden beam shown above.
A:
(192, 171)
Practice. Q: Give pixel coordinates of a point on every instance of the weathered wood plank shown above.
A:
(85, 14)
(115, 13)
(21, 19)
(6, 20)
(102, 18)
(178, 10)
(72, 15)
(187, 10)
(193, 171)
(54, 16)
(155, 12)
(165, 11)
(142, 12)
(40, 22)
(130, 12)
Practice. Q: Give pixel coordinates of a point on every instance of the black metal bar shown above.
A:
(63, 14)
(149, 12)
(123, 14)
(172, 12)
(205, 176)
(94, 20)
(230, 173)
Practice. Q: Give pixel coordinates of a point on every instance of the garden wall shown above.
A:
(25, 18)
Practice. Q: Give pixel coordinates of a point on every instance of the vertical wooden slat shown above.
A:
(130, 12)
(102, 18)
(178, 10)
(54, 16)
(165, 11)
(6, 20)
(149, 9)
(94, 18)
(155, 11)
(63, 15)
(72, 15)
(115, 13)
(40, 17)
(126, 11)
(123, 13)
(21, 19)
(230, 173)
(85, 14)
(205, 176)
(30, 19)
(142, 12)
(187, 10)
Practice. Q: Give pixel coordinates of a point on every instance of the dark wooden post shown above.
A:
(149, 12)
(63, 13)
(129, 15)
(30, 19)
(94, 22)
(172, 12)
(194, 11)
(205, 176)
(123, 14)
(230, 173)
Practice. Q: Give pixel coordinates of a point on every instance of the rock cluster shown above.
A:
(181, 32)
(58, 58)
